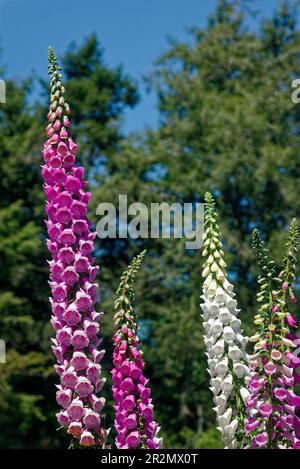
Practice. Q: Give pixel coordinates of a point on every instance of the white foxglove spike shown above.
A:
(224, 341)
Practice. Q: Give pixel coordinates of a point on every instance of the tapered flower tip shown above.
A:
(52, 61)
(209, 198)
(51, 55)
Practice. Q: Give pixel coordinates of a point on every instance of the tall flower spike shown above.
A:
(134, 420)
(271, 419)
(72, 276)
(223, 336)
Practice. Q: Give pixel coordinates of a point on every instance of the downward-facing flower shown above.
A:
(223, 336)
(72, 277)
(134, 420)
(272, 401)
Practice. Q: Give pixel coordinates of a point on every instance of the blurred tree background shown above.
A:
(228, 125)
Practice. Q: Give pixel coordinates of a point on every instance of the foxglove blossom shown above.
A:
(271, 421)
(134, 420)
(72, 278)
(223, 336)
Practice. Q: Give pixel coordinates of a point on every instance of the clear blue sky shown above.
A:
(133, 32)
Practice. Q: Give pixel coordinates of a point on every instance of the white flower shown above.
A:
(225, 316)
(288, 342)
(231, 304)
(220, 295)
(211, 289)
(212, 362)
(216, 384)
(218, 347)
(220, 275)
(210, 259)
(216, 328)
(205, 271)
(207, 325)
(228, 287)
(228, 334)
(221, 402)
(242, 340)
(214, 309)
(236, 324)
(225, 418)
(210, 341)
(234, 352)
(287, 370)
(230, 429)
(227, 384)
(244, 394)
(208, 280)
(240, 370)
(221, 367)
(214, 267)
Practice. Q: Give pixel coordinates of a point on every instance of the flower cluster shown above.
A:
(72, 276)
(134, 420)
(223, 336)
(271, 421)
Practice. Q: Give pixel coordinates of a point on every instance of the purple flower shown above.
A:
(261, 440)
(266, 409)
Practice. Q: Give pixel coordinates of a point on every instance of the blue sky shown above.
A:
(133, 32)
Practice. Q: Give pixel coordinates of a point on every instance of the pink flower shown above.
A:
(83, 387)
(79, 340)
(63, 418)
(131, 421)
(129, 403)
(133, 440)
(87, 439)
(75, 429)
(63, 397)
(291, 320)
(69, 378)
(280, 394)
(270, 368)
(276, 355)
(76, 409)
(91, 419)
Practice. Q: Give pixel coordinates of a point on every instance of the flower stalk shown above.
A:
(72, 277)
(271, 419)
(223, 336)
(134, 419)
